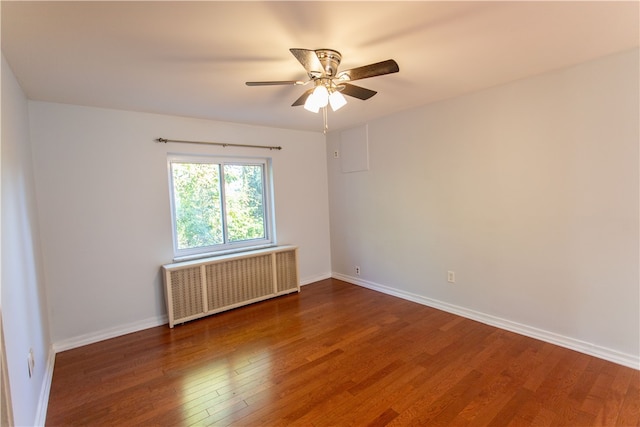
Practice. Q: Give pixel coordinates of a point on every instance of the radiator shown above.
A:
(194, 289)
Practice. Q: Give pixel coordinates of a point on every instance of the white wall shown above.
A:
(24, 306)
(528, 191)
(103, 194)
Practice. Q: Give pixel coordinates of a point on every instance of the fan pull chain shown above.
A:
(326, 123)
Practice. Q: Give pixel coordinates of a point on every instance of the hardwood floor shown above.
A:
(337, 354)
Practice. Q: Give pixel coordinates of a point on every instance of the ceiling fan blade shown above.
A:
(356, 91)
(378, 69)
(303, 98)
(276, 83)
(308, 59)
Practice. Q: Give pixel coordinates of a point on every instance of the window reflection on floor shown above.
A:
(221, 387)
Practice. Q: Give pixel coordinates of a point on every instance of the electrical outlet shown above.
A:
(357, 270)
(336, 154)
(31, 362)
(451, 276)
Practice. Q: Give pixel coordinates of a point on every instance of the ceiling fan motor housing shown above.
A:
(330, 60)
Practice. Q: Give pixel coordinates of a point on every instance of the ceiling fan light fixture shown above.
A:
(311, 104)
(337, 100)
(319, 98)
(321, 95)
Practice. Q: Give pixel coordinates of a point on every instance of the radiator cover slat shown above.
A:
(195, 289)
(187, 292)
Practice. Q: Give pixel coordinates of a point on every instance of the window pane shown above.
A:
(244, 202)
(198, 215)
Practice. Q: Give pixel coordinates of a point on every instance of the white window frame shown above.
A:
(226, 247)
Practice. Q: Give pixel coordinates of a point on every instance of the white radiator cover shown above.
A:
(194, 289)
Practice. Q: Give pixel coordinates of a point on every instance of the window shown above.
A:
(219, 204)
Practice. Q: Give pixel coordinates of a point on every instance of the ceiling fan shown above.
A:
(329, 84)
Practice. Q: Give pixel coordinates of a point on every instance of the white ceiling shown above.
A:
(192, 58)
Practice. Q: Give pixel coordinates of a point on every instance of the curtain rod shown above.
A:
(223, 144)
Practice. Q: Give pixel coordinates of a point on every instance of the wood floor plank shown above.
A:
(630, 409)
(493, 395)
(337, 354)
(370, 402)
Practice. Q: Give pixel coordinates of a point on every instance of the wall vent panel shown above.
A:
(194, 289)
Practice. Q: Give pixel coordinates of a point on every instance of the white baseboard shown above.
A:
(632, 361)
(309, 280)
(629, 360)
(43, 401)
(105, 334)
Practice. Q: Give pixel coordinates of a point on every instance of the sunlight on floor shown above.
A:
(220, 387)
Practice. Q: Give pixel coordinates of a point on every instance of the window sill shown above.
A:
(220, 253)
